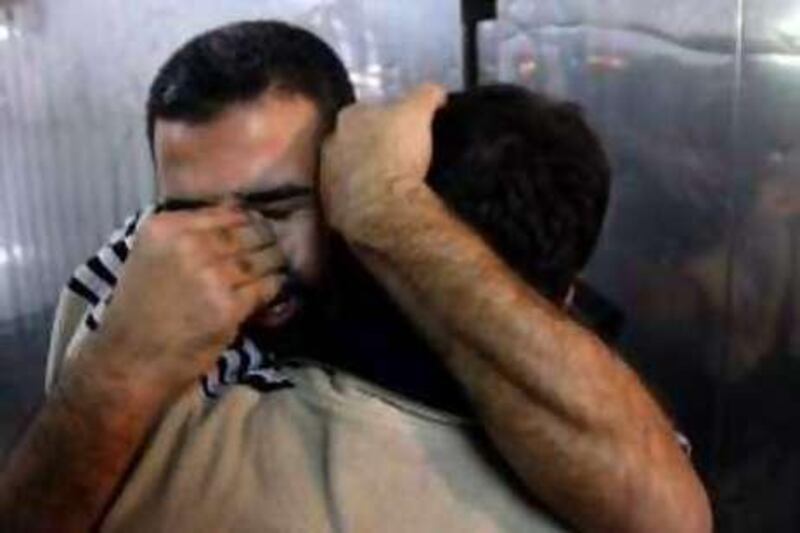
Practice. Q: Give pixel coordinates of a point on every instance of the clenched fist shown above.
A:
(376, 161)
(191, 280)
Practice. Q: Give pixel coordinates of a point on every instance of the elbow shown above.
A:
(693, 514)
(701, 521)
(674, 505)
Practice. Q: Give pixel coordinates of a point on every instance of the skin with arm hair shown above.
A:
(571, 419)
(191, 280)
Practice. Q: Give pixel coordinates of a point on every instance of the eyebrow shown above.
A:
(182, 204)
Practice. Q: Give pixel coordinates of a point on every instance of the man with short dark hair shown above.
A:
(529, 174)
(390, 368)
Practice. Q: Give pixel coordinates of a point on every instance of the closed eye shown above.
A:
(275, 214)
(280, 203)
(283, 210)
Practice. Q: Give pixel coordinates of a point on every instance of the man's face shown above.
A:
(267, 150)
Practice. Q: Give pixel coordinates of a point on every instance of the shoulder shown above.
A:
(85, 295)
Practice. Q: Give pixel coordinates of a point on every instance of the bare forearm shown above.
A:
(631, 479)
(447, 270)
(64, 473)
(570, 418)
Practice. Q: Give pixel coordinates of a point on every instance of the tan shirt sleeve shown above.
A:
(68, 326)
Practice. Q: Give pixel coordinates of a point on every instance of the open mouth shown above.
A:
(281, 310)
(285, 305)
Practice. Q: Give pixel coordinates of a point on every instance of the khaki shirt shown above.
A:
(332, 453)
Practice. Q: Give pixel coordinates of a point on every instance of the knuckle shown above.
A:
(245, 265)
(228, 239)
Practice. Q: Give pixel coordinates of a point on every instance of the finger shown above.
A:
(226, 241)
(255, 236)
(258, 293)
(208, 218)
(248, 268)
(262, 225)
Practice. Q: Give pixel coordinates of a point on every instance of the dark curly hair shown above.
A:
(528, 174)
(238, 62)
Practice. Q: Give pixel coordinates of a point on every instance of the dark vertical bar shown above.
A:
(472, 12)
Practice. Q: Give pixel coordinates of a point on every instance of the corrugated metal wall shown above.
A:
(697, 102)
(73, 156)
